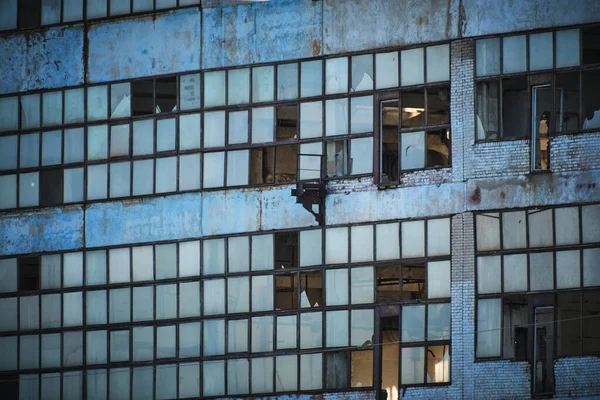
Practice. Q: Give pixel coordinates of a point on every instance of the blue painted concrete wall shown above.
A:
(46, 230)
(144, 46)
(46, 59)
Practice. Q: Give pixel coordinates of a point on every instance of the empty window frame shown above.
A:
(149, 96)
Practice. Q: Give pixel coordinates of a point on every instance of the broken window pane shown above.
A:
(488, 328)
(438, 148)
(487, 227)
(412, 365)
(189, 92)
(514, 335)
(166, 95)
(569, 329)
(337, 163)
(514, 54)
(438, 63)
(413, 323)
(310, 160)
(591, 103)
(412, 70)
(287, 122)
(287, 81)
(238, 89)
(514, 230)
(389, 137)
(438, 364)
(336, 281)
(540, 51)
(311, 289)
(262, 165)
(336, 75)
(263, 121)
(362, 72)
(386, 69)
(119, 100)
(311, 78)
(388, 283)
(97, 102)
(413, 109)
(286, 163)
(311, 119)
(29, 274)
(52, 108)
(286, 250)
(515, 273)
(361, 328)
(336, 375)
(361, 151)
(567, 98)
(336, 117)
(568, 271)
(487, 56)
(361, 114)
(413, 282)
(488, 275)
(263, 85)
(488, 109)
(142, 97)
(337, 328)
(438, 107)
(541, 271)
(336, 245)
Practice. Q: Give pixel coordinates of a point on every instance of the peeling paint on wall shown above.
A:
(142, 46)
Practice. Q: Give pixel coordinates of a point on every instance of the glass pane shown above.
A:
(286, 373)
(515, 273)
(237, 336)
(362, 286)
(413, 239)
(73, 309)
(143, 137)
(189, 172)
(118, 382)
(567, 48)
(438, 279)
(336, 117)
(142, 382)
(263, 120)
(120, 95)
(488, 328)
(96, 384)
(287, 81)
(8, 152)
(238, 372)
(119, 305)
(95, 307)
(73, 149)
(488, 231)
(29, 313)
(238, 127)
(237, 167)
(361, 328)
(189, 379)
(336, 245)
(438, 322)
(97, 142)
(514, 230)
(143, 263)
(214, 88)
(386, 69)
(238, 89)
(262, 252)
(214, 296)
(591, 267)
(74, 105)
(189, 299)
(73, 185)
(361, 151)
(487, 56)
(96, 8)
(540, 228)
(263, 87)
(143, 343)
(311, 371)
(590, 219)
(166, 175)
(120, 179)
(311, 119)
(387, 243)
(51, 147)
(214, 129)
(567, 218)
(238, 292)
(213, 260)
(143, 177)
(119, 140)
(514, 54)
(189, 131)
(488, 274)
(412, 69)
(166, 261)
(361, 114)
(362, 72)
(413, 323)
(540, 51)
(438, 237)
(96, 347)
(8, 307)
(166, 301)
(568, 270)
(214, 337)
(50, 271)
(9, 111)
(72, 348)
(165, 341)
(189, 258)
(286, 332)
(310, 247)
(29, 155)
(189, 91)
(337, 328)
(8, 349)
(52, 108)
(50, 12)
(213, 378)
(311, 78)
(262, 289)
(262, 334)
(51, 311)
(412, 150)
(336, 75)
(165, 134)
(214, 169)
(97, 181)
(97, 101)
(239, 254)
(262, 375)
(336, 281)
(30, 111)
(438, 63)
(189, 339)
(119, 346)
(28, 189)
(412, 365)
(51, 385)
(362, 243)
(143, 303)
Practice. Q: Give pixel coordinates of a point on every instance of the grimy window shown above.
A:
(536, 86)
(538, 286)
(239, 315)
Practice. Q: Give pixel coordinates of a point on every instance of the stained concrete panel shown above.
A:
(230, 211)
(45, 59)
(143, 220)
(162, 43)
(43, 230)
(261, 32)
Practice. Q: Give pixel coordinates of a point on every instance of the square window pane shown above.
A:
(568, 269)
(286, 373)
(8, 349)
(386, 70)
(30, 111)
(72, 348)
(213, 378)
(336, 283)
(238, 89)
(591, 267)
(336, 245)
(361, 114)
(362, 286)
(263, 121)
(286, 332)
(514, 54)
(213, 257)
(143, 177)
(143, 343)
(387, 244)
(263, 85)
(568, 220)
(362, 243)
(311, 330)
(311, 78)
(143, 137)
(438, 279)
(515, 273)
(336, 158)
(119, 346)
(143, 263)
(336, 117)
(540, 51)
(541, 271)
(310, 247)
(238, 376)
(189, 91)
(438, 237)
(166, 261)
(262, 375)
(119, 305)
(73, 309)
(119, 268)
(189, 378)
(237, 167)
(142, 382)
(238, 295)
(287, 81)
(336, 75)
(413, 323)
(488, 231)
(166, 175)
(120, 179)
(120, 97)
(214, 88)
(438, 63)
(73, 185)
(189, 258)
(143, 303)
(9, 111)
(540, 228)
(412, 365)
(590, 219)
(189, 172)
(96, 352)
(413, 239)
(52, 108)
(50, 271)
(165, 341)
(8, 308)
(8, 151)
(214, 129)
(412, 150)
(97, 142)
(95, 303)
(189, 131)
(362, 72)
(487, 56)
(119, 382)
(29, 312)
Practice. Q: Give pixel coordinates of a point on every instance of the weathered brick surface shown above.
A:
(575, 152)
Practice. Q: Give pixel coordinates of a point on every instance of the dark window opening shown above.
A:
(413, 282)
(515, 328)
(438, 148)
(438, 106)
(311, 289)
(9, 387)
(337, 158)
(336, 374)
(261, 165)
(286, 292)
(287, 122)
(142, 97)
(388, 283)
(29, 274)
(51, 187)
(591, 100)
(413, 108)
(569, 326)
(286, 250)
(30, 14)
(389, 141)
(591, 45)
(286, 163)
(567, 102)
(591, 322)
(390, 353)
(515, 106)
(166, 95)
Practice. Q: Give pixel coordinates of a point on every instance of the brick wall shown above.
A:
(575, 152)
(489, 159)
(577, 376)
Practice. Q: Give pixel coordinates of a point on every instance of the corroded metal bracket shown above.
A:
(309, 195)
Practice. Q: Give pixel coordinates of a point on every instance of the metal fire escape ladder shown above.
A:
(310, 186)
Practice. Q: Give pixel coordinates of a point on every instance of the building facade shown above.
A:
(299, 199)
